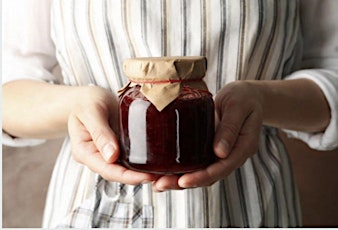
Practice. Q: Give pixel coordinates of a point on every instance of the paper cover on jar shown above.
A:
(162, 78)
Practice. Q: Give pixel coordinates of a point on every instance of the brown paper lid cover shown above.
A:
(162, 78)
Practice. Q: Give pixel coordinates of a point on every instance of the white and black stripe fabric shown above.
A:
(242, 39)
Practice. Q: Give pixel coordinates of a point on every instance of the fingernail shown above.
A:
(223, 147)
(108, 151)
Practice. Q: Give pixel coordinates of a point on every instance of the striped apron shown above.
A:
(243, 40)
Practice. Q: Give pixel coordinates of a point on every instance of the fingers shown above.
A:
(166, 182)
(235, 104)
(207, 176)
(214, 172)
(228, 130)
(95, 121)
(94, 142)
(236, 138)
(246, 145)
(225, 137)
(116, 172)
(85, 151)
(111, 172)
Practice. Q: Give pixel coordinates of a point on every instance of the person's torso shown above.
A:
(241, 39)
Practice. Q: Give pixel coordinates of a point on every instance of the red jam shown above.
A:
(176, 140)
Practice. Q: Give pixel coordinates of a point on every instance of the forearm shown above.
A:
(294, 104)
(35, 109)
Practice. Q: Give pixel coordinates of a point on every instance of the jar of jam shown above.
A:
(166, 115)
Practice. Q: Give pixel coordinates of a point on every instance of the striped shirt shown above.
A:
(242, 39)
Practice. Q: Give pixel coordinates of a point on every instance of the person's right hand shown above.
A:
(91, 127)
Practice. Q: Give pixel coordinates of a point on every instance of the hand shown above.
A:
(239, 117)
(91, 127)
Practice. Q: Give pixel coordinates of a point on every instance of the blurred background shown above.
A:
(26, 174)
(25, 177)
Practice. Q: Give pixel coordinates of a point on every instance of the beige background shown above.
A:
(26, 173)
(25, 177)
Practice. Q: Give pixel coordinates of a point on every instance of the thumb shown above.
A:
(227, 132)
(225, 138)
(97, 123)
(110, 152)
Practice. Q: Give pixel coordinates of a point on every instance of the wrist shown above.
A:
(294, 104)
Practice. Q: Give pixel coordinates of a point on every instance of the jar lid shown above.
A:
(165, 68)
(162, 78)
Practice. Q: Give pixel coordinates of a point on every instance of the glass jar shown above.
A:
(175, 134)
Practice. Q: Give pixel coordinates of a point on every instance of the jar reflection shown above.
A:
(177, 139)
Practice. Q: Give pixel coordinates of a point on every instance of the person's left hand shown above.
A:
(239, 116)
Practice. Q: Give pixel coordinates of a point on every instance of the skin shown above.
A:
(89, 115)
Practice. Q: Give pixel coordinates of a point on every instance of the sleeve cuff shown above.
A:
(327, 80)
(19, 142)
